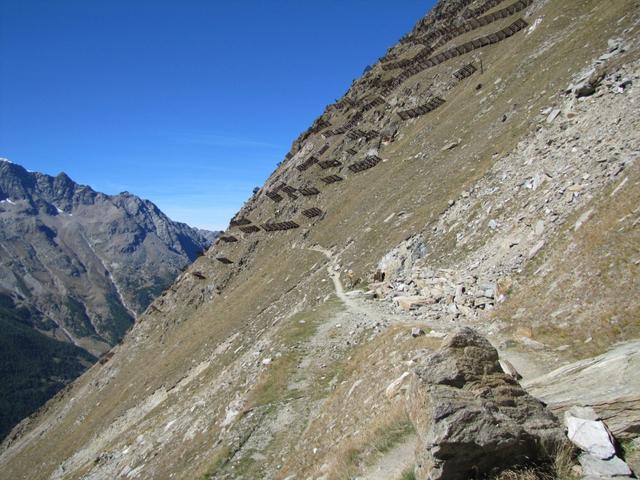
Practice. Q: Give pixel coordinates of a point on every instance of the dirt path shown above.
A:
(333, 269)
(394, 462)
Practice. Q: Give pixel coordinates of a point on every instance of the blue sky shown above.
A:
(189, 103)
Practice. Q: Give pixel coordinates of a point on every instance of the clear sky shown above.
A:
(189, 103)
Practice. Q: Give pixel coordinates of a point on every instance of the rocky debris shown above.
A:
(553, 115)
(592, 78)
(402, 257)
(515, 210)
(471, 417)
(608, 383)
(442, 292)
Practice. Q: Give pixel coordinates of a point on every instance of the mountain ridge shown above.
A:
(70, 264)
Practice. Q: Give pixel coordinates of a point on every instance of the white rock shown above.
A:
(354, 294)
(509, 369)
(266, 361)
(552, 116)
(590, 436)
(583, 218)
(417, 332)
(396, 386)
(353, 387)
(436, 334)
(596, 467)
(535, 249)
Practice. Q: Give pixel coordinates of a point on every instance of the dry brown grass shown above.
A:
(382, 433)
(560, 469)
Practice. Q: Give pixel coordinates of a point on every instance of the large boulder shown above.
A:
(471, 417)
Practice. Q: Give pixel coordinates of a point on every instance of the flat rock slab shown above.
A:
(609, 383)
(412, 302)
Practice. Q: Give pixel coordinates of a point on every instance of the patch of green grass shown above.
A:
(33, 368)
(627, 447)
(387, 437)
(408, 474)
(219, 460)
(77, 319)
(272, 386)
(380, 440)
(120, 321)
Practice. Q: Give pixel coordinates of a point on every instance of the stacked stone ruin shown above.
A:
(228, 239)
(329, 164)
(423, 109)
(307, 163)
(309, 191)
(465, 71)
(250, 229)
(274, 227)
(276, 197)
(312, 212)
(331, 179)
(369, 162)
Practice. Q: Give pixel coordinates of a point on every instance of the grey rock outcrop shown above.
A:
(471, 417)
(400, 260)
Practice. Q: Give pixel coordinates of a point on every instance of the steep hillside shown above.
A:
(76, 268)
(483, 173)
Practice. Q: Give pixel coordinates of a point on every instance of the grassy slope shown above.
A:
(276, 274)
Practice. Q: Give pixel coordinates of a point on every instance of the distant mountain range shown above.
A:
(76, 268)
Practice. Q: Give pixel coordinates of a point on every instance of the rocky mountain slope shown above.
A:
(76, 268)
(482, 174)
